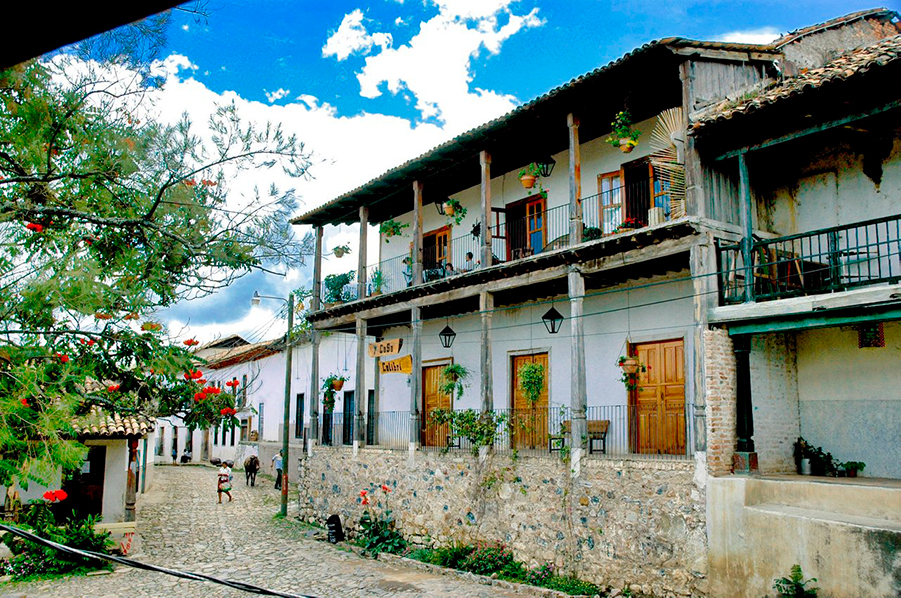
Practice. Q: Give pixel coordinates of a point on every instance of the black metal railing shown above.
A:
(657, 432)
(821, 261)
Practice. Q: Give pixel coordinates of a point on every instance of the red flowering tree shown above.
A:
(107, 216)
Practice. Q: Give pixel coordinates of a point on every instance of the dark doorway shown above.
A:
(371, 420)
(349, 414)
(637, 180)
(85, 486)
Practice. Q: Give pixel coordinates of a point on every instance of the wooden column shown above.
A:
(314, 339)
(575, 181)
(696, 202)
(417, 233)
(704, 281)
(486, 307)
(376, 389)
(361, 257)
(746, 216)
(416, 376)
(360, 391)
(131, 487)
(485, 206)
(577, 338)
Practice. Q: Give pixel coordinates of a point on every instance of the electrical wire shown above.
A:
(238, 585)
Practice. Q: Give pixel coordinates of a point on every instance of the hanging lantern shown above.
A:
(552, 320)
(439, 205)
(447, 337)
(546, 166)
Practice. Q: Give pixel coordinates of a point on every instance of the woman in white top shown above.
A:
(224, 484)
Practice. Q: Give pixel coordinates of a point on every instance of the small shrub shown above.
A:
(423, 555)
(571, 585)
(452, 556)
(539, 576)
(377, 533)
(487, 559)
(794, 585)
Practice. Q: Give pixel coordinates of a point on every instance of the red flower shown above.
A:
(63, 358)
(33, 226)
(362, 493)
(385, 488)
(223, 411)
(199, 396)
(25, 402)
(49, 495)
(365, 501)
(211, 390)
(201, 382)
(113, 388)
(191, 342)
(60, 494)
(197, 374)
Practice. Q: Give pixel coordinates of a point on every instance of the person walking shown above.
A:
(277, 464)
(224, 483)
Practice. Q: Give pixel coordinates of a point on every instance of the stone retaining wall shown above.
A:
(637, 522)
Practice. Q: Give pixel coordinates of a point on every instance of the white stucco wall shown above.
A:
(663, 311)
(598, 157)
(115, 478)
(850, 402)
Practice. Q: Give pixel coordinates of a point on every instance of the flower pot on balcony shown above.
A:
(528, 180)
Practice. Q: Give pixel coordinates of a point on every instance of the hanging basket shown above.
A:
(528, 180)
(339, 252)
(337, 384)
(626, 146)
(630, 365)
(448, 209)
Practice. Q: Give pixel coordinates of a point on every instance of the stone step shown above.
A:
(827, 517)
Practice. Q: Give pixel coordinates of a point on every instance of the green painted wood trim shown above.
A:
(813, 321)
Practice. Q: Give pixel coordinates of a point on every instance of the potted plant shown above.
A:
(341, 250)
(452, 381)
(852, 467)
(391, 228)
(623, 135)
(334, 287)
(628, 224)
(531, 381)
(453, 209)
(378, 280)
(332, 384)
(631, 367)
(528, 175)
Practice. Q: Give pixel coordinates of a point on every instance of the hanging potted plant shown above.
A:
(453, 209)
(528, 175)
(452, 381)
(341, 250)
(631, 367)
(330, 386)
(623, 135)
(531, 381)
(391, 228)
(335, 382)
(334, 288)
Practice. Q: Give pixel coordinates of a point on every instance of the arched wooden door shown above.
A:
(657, 406)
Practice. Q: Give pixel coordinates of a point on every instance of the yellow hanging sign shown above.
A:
(403, 365)
(387, 347)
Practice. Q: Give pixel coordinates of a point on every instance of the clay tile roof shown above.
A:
(99, 423)
(244, 354)
(848, 66)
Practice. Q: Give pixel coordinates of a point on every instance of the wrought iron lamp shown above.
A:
(447, 337)
(552, 320)
(546, 166)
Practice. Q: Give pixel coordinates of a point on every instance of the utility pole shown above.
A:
(287, 423)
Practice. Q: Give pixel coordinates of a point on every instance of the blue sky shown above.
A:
(369, 86)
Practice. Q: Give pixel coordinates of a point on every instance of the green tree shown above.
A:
(106, 216)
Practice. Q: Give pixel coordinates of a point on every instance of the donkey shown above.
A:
(251, 467)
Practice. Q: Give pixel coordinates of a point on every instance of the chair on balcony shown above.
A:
(597, 432)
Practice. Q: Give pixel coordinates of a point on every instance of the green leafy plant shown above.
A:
(794, 585)
(458, 212)
(334, 287)
(341, 250)
(622, 130)
(377, 526)
(329, 391)
(853, 467)
(632, 367)
(453, 378)
(490, 558)
(481, 429)
(378, 280)
(821, 462)
(391, 228)
(532, 170)
(531, 381)
(592, 233)
(546, 576)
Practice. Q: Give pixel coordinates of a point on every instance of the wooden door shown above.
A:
(658, 404)
(433, 399)
(536, 225)
(529, 421)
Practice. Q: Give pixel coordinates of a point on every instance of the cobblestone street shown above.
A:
(181, 527)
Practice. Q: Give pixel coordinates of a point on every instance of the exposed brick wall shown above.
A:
(720, 381)
(774, 396)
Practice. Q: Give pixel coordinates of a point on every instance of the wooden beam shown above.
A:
(728, 54)
(485, 205)
(486, 307)
(664, 248)
(317, 270)
(360, 379)
(416, 376)
(314, 340)
(575, 181)
(815, 321)
(576, 286)
(746, 216)
(417, 232)
(361, 252)
(810, 130)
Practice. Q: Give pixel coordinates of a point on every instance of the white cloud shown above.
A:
(274, 96)
(185, 27)
(399, 21)
(436, 64)
(352, 37)
(763, 35)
